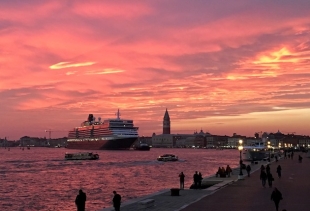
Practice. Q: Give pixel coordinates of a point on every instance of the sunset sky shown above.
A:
(221, 66)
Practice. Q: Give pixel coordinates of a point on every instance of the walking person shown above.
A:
(182, 176)
(292, 155)
(299, 158)
(267, 169)
(279, 169)
(276, 157)
(276, 196)
(263, 177)
(262, 167)
(80, 201)
(117, 201)
(248, 169)
(270, 179)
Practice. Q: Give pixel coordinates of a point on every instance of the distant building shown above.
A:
(42, 142)
(173, 140)
(166, 123)
(234, 140)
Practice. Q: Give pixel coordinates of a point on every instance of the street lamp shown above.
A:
(240, 148)
(268, 146)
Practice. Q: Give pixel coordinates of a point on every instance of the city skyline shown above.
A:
(224, 67)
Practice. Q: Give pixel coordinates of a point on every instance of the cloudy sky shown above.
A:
(220, 66)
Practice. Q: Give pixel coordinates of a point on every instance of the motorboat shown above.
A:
(81, 156)
(168, 157)
(142, 147)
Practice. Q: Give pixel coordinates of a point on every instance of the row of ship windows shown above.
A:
(86, 137)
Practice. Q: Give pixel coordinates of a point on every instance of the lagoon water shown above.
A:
(40, 178)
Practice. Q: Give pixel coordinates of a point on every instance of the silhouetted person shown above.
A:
(117, 201)
(182, 176)
(219, 172)
(228, 170)
(248, 170)
(199, 179)
(276, 157)
(270, 179)
(292, 155)
(263, 177)
(80, 201)
(223, 171)
(268, 169)
(196, 179)
(262, 168)
(299, 158)
(279, 169)
(276, 196)
(285, 154)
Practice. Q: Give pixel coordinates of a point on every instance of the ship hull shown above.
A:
(92, 144)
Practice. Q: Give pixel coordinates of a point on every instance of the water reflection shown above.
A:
(40, 178)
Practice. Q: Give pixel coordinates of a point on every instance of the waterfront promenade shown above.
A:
(235, 195)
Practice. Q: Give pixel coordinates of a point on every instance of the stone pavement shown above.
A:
(165, 202)
(249, 195)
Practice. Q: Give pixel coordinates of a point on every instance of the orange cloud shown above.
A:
(62, 65)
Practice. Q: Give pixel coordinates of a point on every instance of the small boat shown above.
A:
(81, 156)
(142, 147)
(168, 157)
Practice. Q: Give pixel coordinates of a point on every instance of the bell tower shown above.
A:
(166, 123)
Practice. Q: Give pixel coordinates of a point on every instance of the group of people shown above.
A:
(197, 177)
(80, 201)
(222, 172)
(289, 154)
(265, 175)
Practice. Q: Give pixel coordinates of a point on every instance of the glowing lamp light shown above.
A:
(240, 148)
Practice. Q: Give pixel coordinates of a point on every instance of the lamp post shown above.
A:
(268, 146)
(240, 148)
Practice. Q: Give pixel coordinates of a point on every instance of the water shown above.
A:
(40, 178)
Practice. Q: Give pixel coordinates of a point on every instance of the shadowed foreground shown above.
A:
(249, 195)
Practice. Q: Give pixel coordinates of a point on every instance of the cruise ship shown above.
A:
(110, 134)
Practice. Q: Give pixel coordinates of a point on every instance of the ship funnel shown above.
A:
(90, 117)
